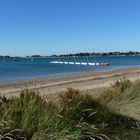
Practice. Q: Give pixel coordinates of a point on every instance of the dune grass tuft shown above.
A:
(73, 116)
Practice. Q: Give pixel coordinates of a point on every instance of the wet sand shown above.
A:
(85, 82)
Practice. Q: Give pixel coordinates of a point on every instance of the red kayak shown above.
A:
(104, 64)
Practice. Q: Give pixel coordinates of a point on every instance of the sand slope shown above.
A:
(84, 82)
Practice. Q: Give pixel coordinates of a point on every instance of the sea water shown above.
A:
(27, 68)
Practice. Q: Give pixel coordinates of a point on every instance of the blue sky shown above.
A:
(65, 26)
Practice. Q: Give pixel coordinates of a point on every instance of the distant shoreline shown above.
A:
(81, 54)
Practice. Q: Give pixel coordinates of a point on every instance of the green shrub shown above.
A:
(74, 117)
(122, 84)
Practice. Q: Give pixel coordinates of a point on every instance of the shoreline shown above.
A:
(86, 81)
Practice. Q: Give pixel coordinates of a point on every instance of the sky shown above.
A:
(48, 27)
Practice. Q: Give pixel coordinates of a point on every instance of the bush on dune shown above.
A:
(37, 118)
(123, 98)
(106, 121)
(73, 117)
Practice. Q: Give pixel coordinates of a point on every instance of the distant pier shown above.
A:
(75, 63)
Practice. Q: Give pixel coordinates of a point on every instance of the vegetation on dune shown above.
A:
(73, 116)
(123, 98)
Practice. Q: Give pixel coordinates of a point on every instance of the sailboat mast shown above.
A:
(94, 56)
(86, 56)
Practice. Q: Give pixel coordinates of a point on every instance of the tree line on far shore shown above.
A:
(130, 53)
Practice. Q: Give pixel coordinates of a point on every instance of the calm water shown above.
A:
(11, 70)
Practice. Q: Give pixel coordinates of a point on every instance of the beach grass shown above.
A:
(123, 97)
(114, 115)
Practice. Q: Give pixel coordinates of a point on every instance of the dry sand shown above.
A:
(89, 82)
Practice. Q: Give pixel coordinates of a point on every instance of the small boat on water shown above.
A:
(77, 63)
(104, 64)
(66, 62)
(97, 64)
(71, 63)
(83, 63)
(60, 62)
(92, 64)
(54, 62)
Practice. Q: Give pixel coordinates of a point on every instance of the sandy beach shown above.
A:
(89, 82)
